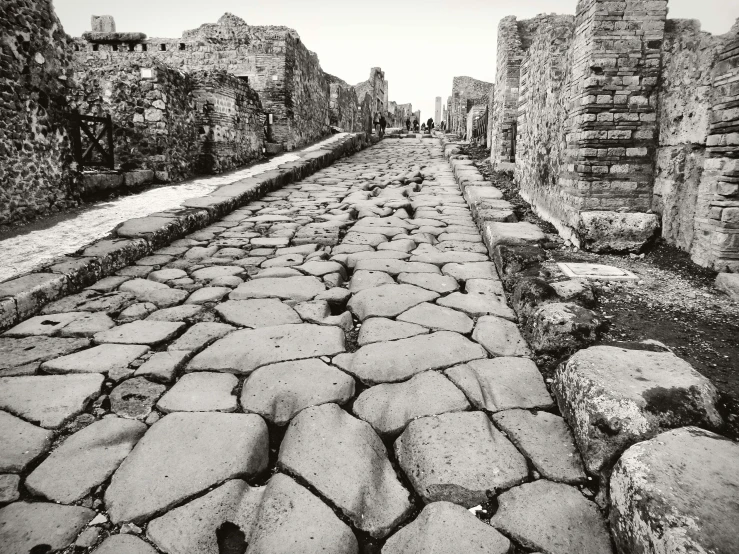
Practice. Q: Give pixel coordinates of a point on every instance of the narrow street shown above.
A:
(306, 374)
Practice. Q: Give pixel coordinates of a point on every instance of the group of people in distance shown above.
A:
(380, 124)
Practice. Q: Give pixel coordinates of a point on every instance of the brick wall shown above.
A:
(35, 150)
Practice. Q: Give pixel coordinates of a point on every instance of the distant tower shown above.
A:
(437, 112)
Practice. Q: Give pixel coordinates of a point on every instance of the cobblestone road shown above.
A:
(332, 368)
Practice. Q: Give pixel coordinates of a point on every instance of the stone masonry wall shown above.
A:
(269, 58)
(542, 111)
(343, 107)
(153, 113)
(466, 92)
(375, 86)
(229, 119)
(35, 149)
(688, 56)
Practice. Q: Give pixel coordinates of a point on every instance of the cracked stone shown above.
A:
(388, 300)
(500, 337)
(437, 317)
(380, 329)
(107, 358)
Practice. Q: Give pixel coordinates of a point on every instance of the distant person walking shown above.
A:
(377, 123)
(383, 125)
(415, 124)
(430, 124)
(408, 124)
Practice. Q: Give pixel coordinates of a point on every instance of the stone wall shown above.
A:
(153, 111)
(466, 92)
(272, 59)
(35, 148)
(376, 87)
(229, 119)
(542, 112)
(344, 110)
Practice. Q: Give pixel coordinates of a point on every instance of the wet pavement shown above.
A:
(331, 368)
(31, 246)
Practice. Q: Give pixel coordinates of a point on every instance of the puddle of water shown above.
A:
(29, 250)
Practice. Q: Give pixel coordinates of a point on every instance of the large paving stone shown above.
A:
(345, 460)
(552, 518)
(112, 359)
(546, 440)
(378, 329)
(201, 392)
(395, 267)
(182, 455)
(278, 392)
(472, 270)
(141, 332)
(85, 460)
(199, 336)
(677, 493)
(24, 356)
(124, 544)
(369, 279)
(291, 519)
(457, 457)
(22, 443)
(430, 281)
(43, 325)
(242, 352)
(287, 288)
(501, 384)
(40, 527)
(388, 300)
(135, 398)
(477, 305)
(389, 408)
(500, 337)
(438, 318)
(259, 312)
(48, 400)
(401, 359)
(445, 528)
(156, 293)
(613, 397)
(191, 528)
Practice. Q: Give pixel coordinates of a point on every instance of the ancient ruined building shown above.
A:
(377, 88)
(618, 121)
(214, 99)
(466, 93)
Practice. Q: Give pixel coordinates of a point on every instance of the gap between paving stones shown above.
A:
(22, 297)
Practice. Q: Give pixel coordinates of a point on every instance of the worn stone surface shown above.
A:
(346, 462)
(430, 281)
(613, 397)
(51, 400)
(552, 517)
(389, 407)
(201, 392)
(162, 366)
(257, 313)
(140, 332)
(135, 398)
(546, 440)
(456, 457)
(400, 359)
(242, 352)
(278, 392)
(22, 443)
(289, 288)
(388, 300)
(379, 329)
(85, 460)
(501, 384)
(677, 493)
(23, 356)
(113, 359)
(445, 528)
(40, 527)
(181, 455)
(500, 337)
(438, 318)
(124, 544)
(9, 485)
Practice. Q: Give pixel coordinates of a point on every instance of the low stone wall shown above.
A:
(153, 111)
(229, 119)
(35, 148)
(22, 297)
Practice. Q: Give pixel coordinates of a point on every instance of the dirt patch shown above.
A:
(674, 301)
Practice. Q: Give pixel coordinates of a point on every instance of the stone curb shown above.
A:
(24, 296)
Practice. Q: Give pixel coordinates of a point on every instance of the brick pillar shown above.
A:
(612, 126)
(505, 92)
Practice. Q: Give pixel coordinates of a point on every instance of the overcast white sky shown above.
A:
(420, 44)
